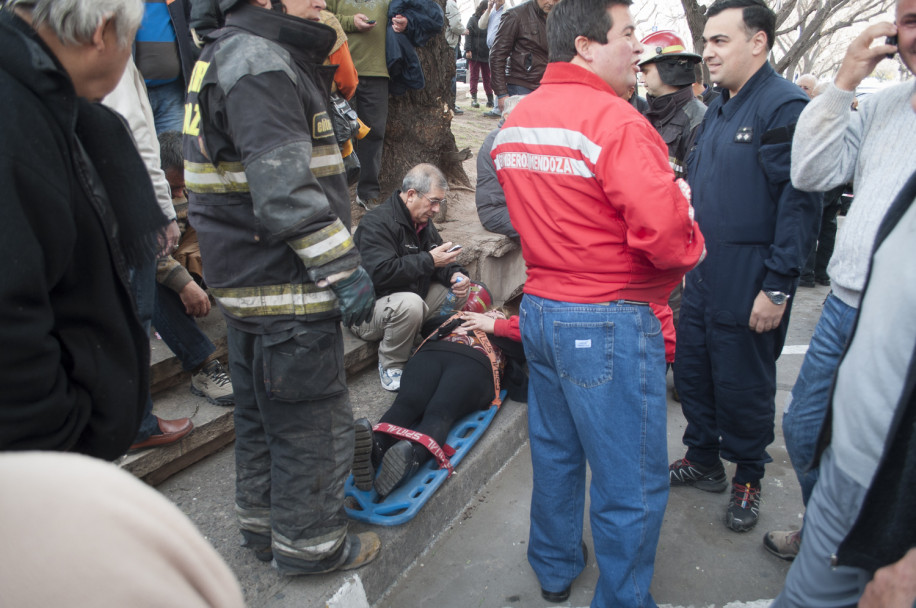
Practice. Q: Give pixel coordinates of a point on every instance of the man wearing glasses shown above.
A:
(412, 270)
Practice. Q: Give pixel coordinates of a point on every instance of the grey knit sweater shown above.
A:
(875, 147)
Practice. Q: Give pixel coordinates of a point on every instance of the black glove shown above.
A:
(356, 297)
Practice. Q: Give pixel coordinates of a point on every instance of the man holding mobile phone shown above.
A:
(364, 23)
(411, 268)
(833, 146)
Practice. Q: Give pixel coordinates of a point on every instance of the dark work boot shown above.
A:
(489, 100)
(363, 467)
(399, 463)
(474, 103)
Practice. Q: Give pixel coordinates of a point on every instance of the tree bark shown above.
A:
(419, 122)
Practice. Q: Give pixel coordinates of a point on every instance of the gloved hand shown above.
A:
(356, 297)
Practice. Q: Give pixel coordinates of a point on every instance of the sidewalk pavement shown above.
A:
(481, 559)
(467, 554)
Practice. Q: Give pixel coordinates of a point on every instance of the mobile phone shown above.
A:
(891, 40)
(370, 21)
(454, 248)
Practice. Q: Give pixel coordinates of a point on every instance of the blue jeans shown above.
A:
(143, 288)
(807, 407)
(167, 102)
(179, 330)
(597, 395)
(812, 582)
(517, 89)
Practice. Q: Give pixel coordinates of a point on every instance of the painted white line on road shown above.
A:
(795, 349)
(753, 604)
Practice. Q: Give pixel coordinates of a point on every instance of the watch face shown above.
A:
(777, 297)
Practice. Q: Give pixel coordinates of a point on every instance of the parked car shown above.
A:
(461, 70)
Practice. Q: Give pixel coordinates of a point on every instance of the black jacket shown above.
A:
(268, 194)
(395, 255)
(74, 365)
(884, 529)
(475, 42)
(424, 20)
(676, 117)
(180, 13)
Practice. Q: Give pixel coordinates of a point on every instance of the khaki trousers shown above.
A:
(397, 320)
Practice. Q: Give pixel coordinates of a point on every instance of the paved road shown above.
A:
(481, 559)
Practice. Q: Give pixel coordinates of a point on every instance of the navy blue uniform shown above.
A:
(758, 231)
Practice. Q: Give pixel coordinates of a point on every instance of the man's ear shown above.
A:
(759, 40)
(583, 48)
(98, 36)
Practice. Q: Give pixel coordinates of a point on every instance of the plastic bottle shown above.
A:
(450, 306)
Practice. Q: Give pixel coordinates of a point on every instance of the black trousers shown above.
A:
(725, 374)
(371, 105)
(821, 252)
(438, 388)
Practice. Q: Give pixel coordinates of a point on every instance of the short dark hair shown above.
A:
(170, 155)
(570, 19)
(758, 17)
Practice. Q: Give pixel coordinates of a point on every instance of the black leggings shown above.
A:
(437, 389)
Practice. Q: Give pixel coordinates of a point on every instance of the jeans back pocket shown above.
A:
(584, 352)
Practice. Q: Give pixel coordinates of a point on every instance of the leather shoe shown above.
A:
(556, 597)
(170, 432)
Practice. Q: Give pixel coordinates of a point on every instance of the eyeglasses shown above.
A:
(433, 201)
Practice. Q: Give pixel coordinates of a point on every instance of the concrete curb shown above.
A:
(404, 545)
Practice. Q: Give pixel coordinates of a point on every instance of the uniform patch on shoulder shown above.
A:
(322, 126)
(745, 135)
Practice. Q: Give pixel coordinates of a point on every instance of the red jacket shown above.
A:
(507, 328)
(591, 193)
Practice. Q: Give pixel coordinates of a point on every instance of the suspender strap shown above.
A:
(494, 364)
(488, 349)
(441, 455)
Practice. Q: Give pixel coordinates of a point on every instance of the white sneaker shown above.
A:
(391, 378)
(213, 384)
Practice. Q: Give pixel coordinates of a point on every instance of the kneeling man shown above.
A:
(411, 268)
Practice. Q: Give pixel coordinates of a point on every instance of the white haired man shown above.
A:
(79, 211)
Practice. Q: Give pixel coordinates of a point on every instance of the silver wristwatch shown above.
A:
(777, 297)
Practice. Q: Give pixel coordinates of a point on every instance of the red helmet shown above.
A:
(665, 44)
(479, 298)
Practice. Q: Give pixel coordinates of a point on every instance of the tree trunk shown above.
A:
(419, 122)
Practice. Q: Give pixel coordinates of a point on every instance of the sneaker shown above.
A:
(494, 113)
(684, 473)
(391, 378)
(457, 110)
(368, 204)
(363, 471)
(213, 384)
(743, 507)
(784, 544)
(399, 464)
